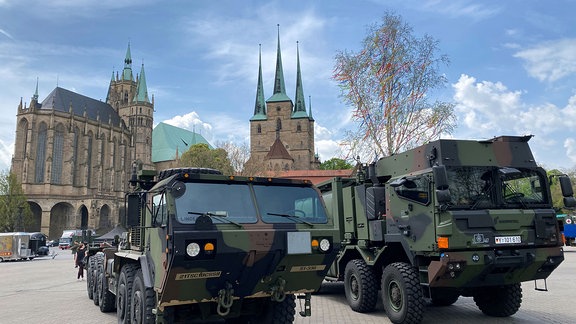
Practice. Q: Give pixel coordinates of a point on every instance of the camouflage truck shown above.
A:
(202, 246)
(447, 219)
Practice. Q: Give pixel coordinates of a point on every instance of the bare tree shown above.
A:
(388, 84)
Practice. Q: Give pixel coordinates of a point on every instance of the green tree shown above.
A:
(335, 164)
(201, 156)
(388, 85)
(15, 213)
(556, 192)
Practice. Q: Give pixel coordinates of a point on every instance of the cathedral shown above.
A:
(281, 131)
(74, 154)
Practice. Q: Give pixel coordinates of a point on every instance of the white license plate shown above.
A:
(507, 239)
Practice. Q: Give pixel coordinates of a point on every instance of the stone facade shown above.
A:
(74, 155)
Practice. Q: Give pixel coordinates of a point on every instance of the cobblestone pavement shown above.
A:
(45, 290)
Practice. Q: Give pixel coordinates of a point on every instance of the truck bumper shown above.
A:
(466, 269)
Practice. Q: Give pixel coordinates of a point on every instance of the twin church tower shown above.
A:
(282, 131)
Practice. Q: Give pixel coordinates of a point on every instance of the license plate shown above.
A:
(507, 239)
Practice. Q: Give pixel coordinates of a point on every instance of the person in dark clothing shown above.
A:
(80, 255)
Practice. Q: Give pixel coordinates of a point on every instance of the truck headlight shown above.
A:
(324, 245)
(193, 249)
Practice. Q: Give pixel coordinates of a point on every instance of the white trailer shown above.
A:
(15, 246)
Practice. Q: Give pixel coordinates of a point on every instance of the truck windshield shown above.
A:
(232, 201)
(284, 204)
(490, 187)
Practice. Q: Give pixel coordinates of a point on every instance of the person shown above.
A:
(80, 255)
(73, 248)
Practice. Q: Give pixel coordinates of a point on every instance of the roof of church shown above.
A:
(278, 151)
(167, 140)
(63, 100)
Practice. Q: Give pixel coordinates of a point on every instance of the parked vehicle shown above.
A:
(203, 246)
(52, 243)
(37, 244)
(447, 219)
(14, 246)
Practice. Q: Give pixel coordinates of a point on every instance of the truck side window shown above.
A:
(415, 189)
(160, 211)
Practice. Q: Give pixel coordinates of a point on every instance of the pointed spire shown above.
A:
(300, 104)
(127, 73)
(110, 88)
(310, 105)
(260, 106)
(279, 87)
(141, 88)
(35, 96)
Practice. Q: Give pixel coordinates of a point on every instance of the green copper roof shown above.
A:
(279, 87)
(127, 72)
(141, 88)
(167, 140)
(300, 104)
(260, 106)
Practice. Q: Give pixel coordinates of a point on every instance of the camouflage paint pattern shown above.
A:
(487, 246)
(251, 260)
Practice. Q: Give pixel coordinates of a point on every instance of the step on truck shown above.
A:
(447, 219)
(202, 246)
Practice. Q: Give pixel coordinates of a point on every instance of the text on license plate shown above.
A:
(507, 239)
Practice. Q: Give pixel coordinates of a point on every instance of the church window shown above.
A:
(57, 154)
(259, 129)
(126, 97)
(40, 153)
(89, 161)
(278, 108)
(278, 124)
(140, 109)
(75, 158)
(23, 143)
(298, 127)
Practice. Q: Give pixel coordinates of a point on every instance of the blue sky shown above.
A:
(512, 70)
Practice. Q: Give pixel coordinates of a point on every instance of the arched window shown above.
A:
(75, 157)
(278, 124)
(40, 153)
(57, 154)
(126, 97)
(23, 139)
(259, 129)
(89, 160)
(298, 127)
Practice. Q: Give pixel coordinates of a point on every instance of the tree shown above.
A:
(238, 156)
(388, 83)
(201, 156)
(335, 164)
(557, 198)
(15, 213)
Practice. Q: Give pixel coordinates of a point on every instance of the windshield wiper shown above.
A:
(219, 215)
(292, 217)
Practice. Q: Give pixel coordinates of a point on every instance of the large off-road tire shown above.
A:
(124, 293)
(360, 286)
(401, 293)
(106, 299)
(444, 296)
(142, 301)
(89, 280)
(499, 301)
(277, 312)
(98, 268)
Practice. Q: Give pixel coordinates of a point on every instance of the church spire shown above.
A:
(300, 104)
(141, 88)
(127, 73)
(260, 106)
(35, 96)
(279, 87)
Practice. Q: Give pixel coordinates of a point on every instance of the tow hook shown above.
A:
(225, 300)
(278, 293)
(307, 305)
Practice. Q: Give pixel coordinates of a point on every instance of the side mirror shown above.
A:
(440, 177)
(133, 210)
(566, 186)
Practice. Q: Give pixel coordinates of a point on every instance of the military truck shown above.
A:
(203, 246)
(447, 219)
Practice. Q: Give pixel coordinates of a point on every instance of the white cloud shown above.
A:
(192, 122)
(550, 61)
(6, 152)
(570, 146)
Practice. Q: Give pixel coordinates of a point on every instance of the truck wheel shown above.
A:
(444, 296)
(277, 312)
(142, 301)
(106, 299)
(89, 283)
(98, 267)
(125, 283)
(499, 301)
(360, 286)
(401, 293)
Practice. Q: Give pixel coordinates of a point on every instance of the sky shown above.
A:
(512, 64)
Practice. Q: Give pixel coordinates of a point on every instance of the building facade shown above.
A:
(282, 131)
(74, 155)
